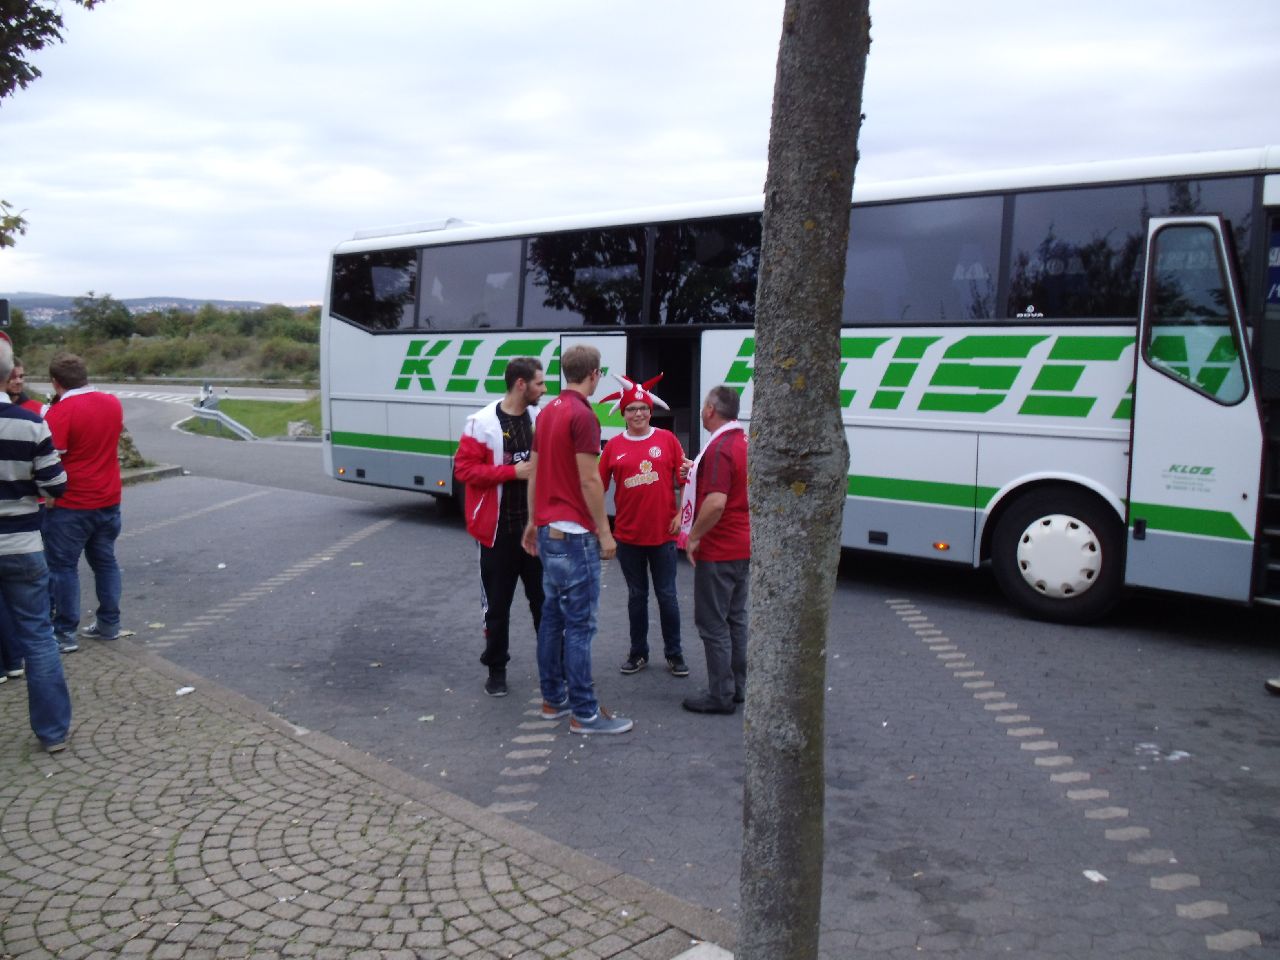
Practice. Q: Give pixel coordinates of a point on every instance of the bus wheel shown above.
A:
(1057, 554)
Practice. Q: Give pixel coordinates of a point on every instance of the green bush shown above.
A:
(286, 355)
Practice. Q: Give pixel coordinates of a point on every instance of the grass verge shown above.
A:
(266, 418)
(270, 418)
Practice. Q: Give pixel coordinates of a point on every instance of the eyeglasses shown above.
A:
(630, 410)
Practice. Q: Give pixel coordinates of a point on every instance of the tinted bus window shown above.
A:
(375, 290)
(472, 286)
(705, 272)
(928, 261)
(1078, 253)
(589, 278)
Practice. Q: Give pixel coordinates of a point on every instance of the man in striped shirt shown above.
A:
(30, 469)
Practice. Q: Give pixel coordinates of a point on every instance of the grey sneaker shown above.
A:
(55, 747)
(634, 664)
(95, 632)
(678, 667)
(555, 711)
(67, 643)
(602, 722)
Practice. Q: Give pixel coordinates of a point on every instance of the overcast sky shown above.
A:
(220, 149)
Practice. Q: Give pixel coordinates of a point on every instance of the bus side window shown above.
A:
(705, 271)
(585, 278)
(1077, 254)
(375, 290)
(470, 286)
(926, 261)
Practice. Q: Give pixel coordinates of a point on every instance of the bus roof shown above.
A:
(1208, 163)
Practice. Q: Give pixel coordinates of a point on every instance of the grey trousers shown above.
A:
(720, 614)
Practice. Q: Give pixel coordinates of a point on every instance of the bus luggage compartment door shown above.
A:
(1196, 437)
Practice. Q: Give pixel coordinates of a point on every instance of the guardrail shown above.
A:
(235, 426)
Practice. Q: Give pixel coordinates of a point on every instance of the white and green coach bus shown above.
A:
(1066, 372)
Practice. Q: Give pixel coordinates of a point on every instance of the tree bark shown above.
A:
(798, 465)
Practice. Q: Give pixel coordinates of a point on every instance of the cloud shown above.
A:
(222, 149)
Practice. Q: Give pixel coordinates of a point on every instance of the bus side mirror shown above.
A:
(4, 313)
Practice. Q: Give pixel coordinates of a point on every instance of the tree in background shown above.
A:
(102, 318)
(19, 331)
(797, 469)
(25, 27)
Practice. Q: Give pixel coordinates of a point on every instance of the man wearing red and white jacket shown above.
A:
(86, 426)
(493, 461)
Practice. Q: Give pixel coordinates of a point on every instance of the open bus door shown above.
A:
(1197, 441)
(613, 359)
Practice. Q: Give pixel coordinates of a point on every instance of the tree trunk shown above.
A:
(798, 464)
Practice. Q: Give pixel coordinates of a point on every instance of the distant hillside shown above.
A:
(44, 309)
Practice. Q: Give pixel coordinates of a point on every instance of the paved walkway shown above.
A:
(192, 823)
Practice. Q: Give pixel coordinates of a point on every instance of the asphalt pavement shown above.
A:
(184, 821)
(995, 787)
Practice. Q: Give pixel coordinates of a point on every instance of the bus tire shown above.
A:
(1058, 554)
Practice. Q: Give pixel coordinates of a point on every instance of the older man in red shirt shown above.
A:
(718, 524)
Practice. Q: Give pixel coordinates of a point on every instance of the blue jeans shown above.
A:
(571, 589)
(637, 563)
(68, 533)
(24, 584)
(10, 658)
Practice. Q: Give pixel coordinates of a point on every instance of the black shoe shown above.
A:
(496, 686)
(678, 667)
(705, 704)
(739, 698)
(634, 664)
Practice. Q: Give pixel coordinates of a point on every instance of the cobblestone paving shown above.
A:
(197, 826)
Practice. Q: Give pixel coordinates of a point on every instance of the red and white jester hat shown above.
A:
(634, 392)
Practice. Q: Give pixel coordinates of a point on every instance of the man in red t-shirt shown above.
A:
(569, 532)
(719, 546)
(645, 464)
(86, 426)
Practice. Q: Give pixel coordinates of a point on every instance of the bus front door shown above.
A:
(1196, 442)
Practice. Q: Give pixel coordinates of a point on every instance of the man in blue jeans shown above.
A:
(569, 532)
(30, 469)
(86, 427)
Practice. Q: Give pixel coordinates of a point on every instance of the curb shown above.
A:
(144, 474)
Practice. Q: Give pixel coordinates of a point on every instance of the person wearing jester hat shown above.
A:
(645, 465)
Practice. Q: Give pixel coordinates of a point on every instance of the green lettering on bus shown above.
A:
(496, 381)
(856, 348)
(1056, 377)
(991, 381)
(460, 382)
(1124, 409)
(417, 366)
(900, 372)
(741, 369)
